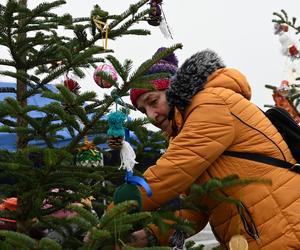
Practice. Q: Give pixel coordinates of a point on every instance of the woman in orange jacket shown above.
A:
(206, 108)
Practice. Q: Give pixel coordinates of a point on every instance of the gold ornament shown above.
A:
(238, 242)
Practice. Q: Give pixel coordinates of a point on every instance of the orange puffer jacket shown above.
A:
(220, 117)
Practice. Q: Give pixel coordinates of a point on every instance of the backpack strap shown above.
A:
(264, 159)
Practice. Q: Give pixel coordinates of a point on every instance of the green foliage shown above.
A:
(18, 240)
(190, 245)
(214, 190)
(48, 244)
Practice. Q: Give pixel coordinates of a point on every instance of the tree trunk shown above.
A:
(21, 89)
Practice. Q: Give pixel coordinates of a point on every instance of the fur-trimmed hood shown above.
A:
(196, 72)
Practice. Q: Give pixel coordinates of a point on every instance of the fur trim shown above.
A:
(191, 77)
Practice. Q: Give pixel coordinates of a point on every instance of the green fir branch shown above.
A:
(130, 11)
(18, 240)
(49, 244)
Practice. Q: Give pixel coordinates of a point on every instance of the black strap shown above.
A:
(264, 159)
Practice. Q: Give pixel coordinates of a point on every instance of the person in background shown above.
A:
(207, 112)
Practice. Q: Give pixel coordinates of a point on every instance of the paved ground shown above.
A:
(205, 237)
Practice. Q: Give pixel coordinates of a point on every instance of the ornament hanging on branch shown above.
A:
(116, 131)
(280, 27)
(99, 22)
(108, 71)
(88, 155)
(283, 102)
(72, 85)
(103, 27)
(284, 88)
(129, 190)
(158, 18)
(288, 45)
(155, 15)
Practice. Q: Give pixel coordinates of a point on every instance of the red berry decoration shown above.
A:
(72, 85)
(293, 50)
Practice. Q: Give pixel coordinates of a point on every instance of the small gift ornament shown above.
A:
(88, 155)
(107, 70)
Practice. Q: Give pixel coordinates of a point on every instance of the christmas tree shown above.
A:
(286, 95)
(45, 179)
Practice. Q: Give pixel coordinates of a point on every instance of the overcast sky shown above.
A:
(240, 31)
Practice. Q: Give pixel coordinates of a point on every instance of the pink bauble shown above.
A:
(108, 69)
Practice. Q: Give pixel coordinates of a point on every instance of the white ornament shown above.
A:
(127, 156)
(286, 41)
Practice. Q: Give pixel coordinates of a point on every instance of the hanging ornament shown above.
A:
(107, 69)
(280, 27)
(88, 155)
(284, 88)
(155, 17)
(288, 46)
(286, 42)
(116, 131)
(100, 21)
(129, 190)
(293, 51)
(238, 242)
(283, 102)
(103, 28)
(158, 18)
(72, 85)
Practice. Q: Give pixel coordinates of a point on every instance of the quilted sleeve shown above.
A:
(207, 131)
(200, 220)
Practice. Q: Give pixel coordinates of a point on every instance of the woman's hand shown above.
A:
(137, 239)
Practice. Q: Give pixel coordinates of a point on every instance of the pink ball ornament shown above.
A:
(108, 69)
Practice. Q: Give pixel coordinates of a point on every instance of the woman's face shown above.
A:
(154, 104)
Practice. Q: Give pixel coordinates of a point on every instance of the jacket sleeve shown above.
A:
(207, 131)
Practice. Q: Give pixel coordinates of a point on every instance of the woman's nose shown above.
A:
(151, 114)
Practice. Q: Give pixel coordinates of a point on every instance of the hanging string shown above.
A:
(166, 23)
(103, 27)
